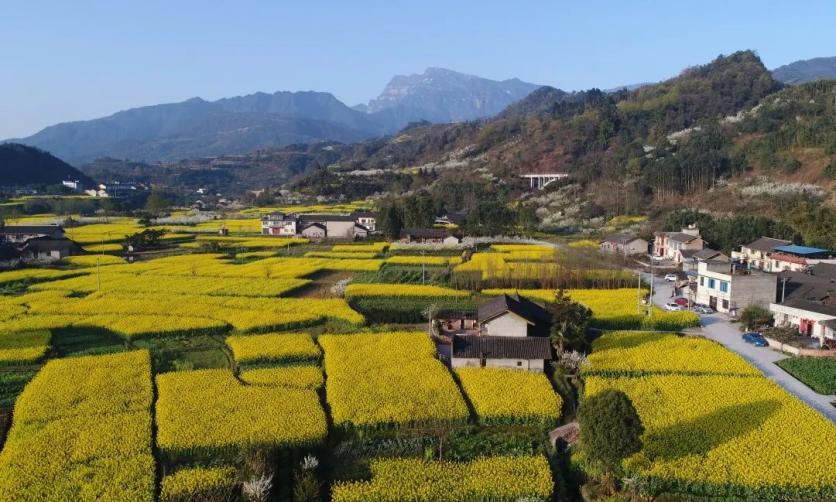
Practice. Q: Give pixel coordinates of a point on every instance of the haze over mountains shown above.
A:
(237, 125)
(199, 128)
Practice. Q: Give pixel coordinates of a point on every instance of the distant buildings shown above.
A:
(430, 236)
(34, 244)
(319, 226)
(674, 246)
(512, 332)
(777, 255)
(624, 244)
(115, 189)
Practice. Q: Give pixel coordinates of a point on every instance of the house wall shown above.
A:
(284, 228)
(789, 316)
(313, 233)
(537, 365)
(740, 292)
(508, 324)
(340, 229)
(451, 240)
(368, 222)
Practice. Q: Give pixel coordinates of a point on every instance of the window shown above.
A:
(519, 363)
(725, 305)
(702, 281)
(711, 284)
(724, 286)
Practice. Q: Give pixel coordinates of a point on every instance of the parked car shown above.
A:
(671, 278)
(657, 258)
(703, 309)
(681, 301)
(755, 339)
(673, 307)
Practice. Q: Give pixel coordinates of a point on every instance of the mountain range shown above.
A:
(231, 126)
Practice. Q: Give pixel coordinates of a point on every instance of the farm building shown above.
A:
(512, 332)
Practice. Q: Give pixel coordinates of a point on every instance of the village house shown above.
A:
(671, 245)
(692, 259)
(22, 233)
(317, 226)
(44, 250)
(624, 244)
(756, 253)
(730, 287)
(430, 236)
(511, 332)
(777, 255)
(367, 220)
(807, 301)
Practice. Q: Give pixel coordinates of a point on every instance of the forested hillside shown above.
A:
(724, 137)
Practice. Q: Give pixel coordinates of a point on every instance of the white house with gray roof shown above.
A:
(671, 245)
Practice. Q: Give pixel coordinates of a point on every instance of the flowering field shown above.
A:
(303, 376)
(374, 247)
(383, 379)
(278, 347)
(507, 396)
(357, 290)
(612, 308)
(209, 411)
(502, 266)
(416, 480)
(198, 483)
(82, 431)
(356, 255)
(712, 428)
(25, 347)
(90, 260)
(430, 261)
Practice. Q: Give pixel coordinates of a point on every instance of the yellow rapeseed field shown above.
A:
(26, 347)
(82, 431)
(508, 396)
(417, 480)
(198, 483)
(713, 428)
(209, 411)
(383, 379)
(357, 290)
(434, 261)
(276, 347)
(302, 376)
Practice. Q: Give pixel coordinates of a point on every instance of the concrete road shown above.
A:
(717, 327)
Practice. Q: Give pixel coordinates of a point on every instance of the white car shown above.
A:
(673, 307)
(671, 278)
(657, 258)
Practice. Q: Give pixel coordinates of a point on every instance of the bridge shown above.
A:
(541, 180)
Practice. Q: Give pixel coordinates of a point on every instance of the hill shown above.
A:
(25, 165)
(806, 70)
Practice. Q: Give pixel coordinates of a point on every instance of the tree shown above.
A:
(570, 321)
(157, 202)
(755, 317)
(390, 220)
(611, 430)
(140, 241)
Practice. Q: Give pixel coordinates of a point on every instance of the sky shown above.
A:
(64, 61)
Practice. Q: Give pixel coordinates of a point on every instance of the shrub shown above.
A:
(610, 428)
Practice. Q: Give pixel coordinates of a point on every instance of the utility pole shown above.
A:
(423, 265)
(98, 276)
(639, 293)
(650, 302)
(784, 289)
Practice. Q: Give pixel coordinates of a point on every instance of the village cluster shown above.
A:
(300, 353)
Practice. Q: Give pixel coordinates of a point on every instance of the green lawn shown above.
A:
(818, 373)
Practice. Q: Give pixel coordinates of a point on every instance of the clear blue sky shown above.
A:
(72, 60)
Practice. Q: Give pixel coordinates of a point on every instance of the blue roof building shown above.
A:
(803, 251)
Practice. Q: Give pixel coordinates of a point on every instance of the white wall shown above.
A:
(508, 324)
(518, 364)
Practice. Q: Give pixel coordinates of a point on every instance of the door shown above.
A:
(712, 302)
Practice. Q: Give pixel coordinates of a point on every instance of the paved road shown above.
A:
(718, 328)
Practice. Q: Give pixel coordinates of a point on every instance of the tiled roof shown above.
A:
(708, 254)
(622, 239)
(766, 244)
(517, 304)
(30, 229)
(819, 308)
(501, 347)
(681, 237)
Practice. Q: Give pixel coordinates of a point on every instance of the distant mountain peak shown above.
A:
(442, 95)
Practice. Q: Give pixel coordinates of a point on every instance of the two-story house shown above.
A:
(730, 287)
(807, 301)
(513, 332)
(670, 245)
(624, 244)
